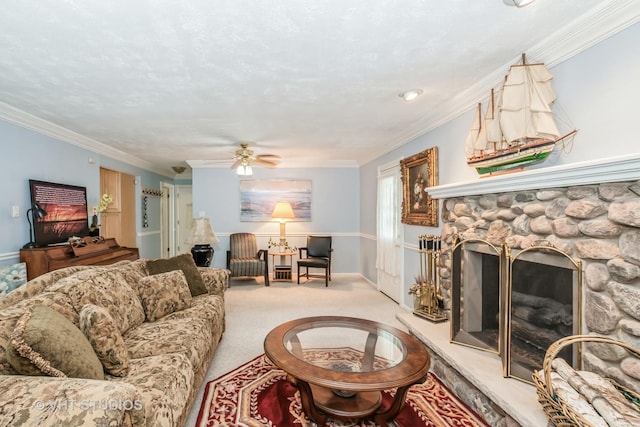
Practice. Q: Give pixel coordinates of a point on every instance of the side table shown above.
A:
(282, 268)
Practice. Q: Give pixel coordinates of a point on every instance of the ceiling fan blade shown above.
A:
(264, 162)
(272, 157)
(236, 164)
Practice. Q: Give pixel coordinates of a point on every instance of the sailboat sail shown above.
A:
(527, 96)
(519, 129)
(494, 133)
(474, 131)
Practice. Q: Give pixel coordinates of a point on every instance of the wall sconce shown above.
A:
(36, 212)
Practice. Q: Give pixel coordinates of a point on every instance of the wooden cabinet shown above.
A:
(43, 260)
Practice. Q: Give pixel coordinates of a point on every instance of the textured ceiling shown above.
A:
(317, 82)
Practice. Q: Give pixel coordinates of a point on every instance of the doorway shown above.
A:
(119, 219)
(184, 217)
(389, 231)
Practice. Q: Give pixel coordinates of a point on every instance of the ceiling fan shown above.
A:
(244, 158)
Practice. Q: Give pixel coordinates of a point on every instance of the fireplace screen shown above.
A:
(514, 305)
(475, 300)
(542, 299)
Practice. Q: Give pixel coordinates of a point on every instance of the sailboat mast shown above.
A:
(493, 116)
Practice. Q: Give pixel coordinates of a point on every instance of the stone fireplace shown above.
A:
(590, 211)
(599, 224)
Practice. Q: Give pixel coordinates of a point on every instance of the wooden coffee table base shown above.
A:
(318, 403)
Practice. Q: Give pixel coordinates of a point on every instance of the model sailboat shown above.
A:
(518, 128)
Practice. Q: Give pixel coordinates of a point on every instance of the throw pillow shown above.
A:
(102, 332)
(163, 294)
(182, 262)
(45, 342)
(108, 288)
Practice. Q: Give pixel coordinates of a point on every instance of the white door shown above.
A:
(184, 198)
(389, 229)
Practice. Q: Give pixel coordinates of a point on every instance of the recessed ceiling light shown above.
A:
(410, 95)
(518, 3)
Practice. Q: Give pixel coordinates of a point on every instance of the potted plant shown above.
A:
(105, 201)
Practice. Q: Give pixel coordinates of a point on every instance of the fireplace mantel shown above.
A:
(613, 169)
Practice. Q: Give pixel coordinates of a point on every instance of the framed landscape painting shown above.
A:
(259, 196)
(419, 172)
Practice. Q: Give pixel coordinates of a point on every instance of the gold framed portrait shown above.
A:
(419, 172)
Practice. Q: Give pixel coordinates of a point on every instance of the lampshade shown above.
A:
(201, 232)
(283, 210)
(38, 212)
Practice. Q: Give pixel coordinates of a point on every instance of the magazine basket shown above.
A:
(556, 409)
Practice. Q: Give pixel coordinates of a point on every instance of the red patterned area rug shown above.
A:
(257, 394)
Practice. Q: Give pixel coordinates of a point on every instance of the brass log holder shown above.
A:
(431, 308)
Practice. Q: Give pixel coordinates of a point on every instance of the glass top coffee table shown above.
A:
(341, 364)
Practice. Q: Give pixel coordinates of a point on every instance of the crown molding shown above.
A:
(44, 127)
(603, 21)
(199, 164)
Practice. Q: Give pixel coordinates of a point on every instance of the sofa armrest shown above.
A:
(215, 279)
(28, 400)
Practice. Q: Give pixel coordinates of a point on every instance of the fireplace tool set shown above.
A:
(431, 306)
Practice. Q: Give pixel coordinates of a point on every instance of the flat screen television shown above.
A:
(66, 207)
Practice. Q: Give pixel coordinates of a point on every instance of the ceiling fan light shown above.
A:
(244, 170)
(518, 3)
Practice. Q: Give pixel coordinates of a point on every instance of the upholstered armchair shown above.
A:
(244, 259)
(317, 254)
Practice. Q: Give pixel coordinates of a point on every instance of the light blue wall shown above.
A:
(334, 210)
(599, 91)
(29, 155)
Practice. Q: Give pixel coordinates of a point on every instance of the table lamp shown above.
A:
(283, 211)
(36, 212)
(201, 237)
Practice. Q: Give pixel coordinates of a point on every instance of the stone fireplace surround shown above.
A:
(590, 210)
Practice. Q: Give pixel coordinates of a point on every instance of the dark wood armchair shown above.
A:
(244, 259)
(317, 254)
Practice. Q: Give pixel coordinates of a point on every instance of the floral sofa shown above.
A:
(126, 344)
